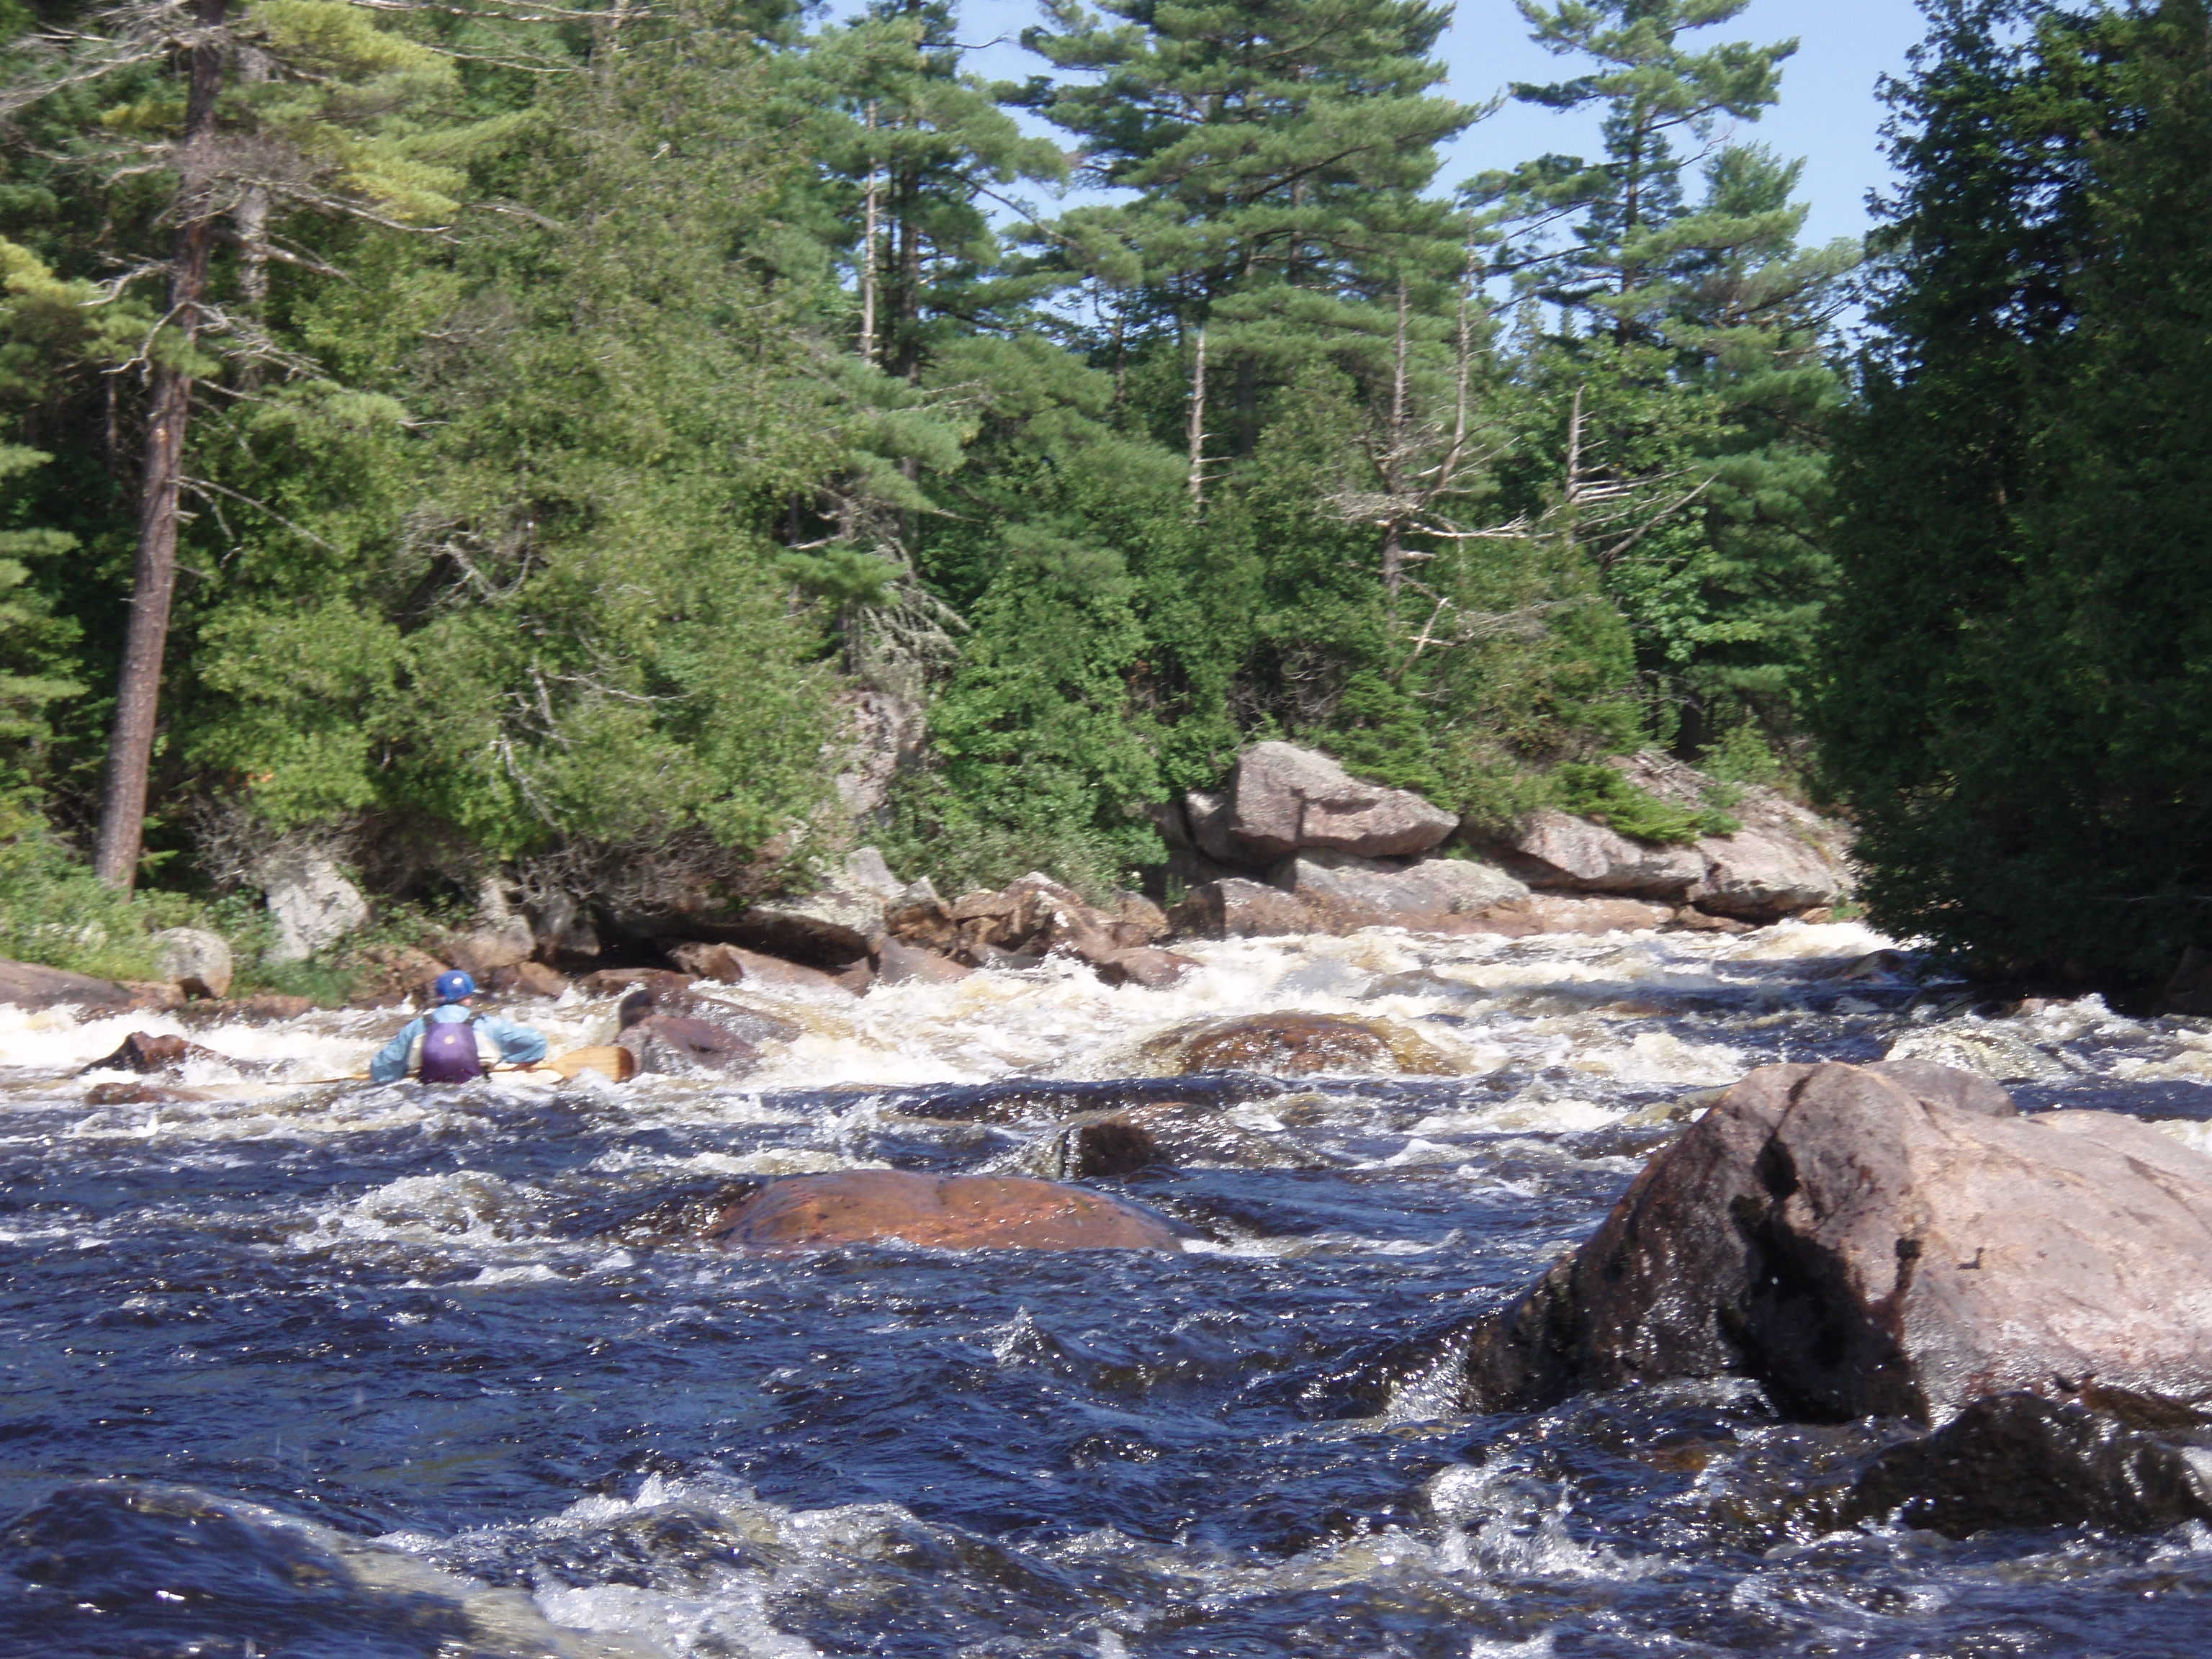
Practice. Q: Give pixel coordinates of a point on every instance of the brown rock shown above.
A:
(1237, 908)
(1293, 1043)
(482, 951)
(2126, 1461)
(273, 1006)
(900, 963)
(958, 1212)
(1207, 818)
(1402, 895)
(1138, 921)
(672, 1045)
(135, 1094)
(28, 986)
(733, 965)
(150, 996)
(146, 1052)
(856, 976)
(1286, 799)
(1700, 921)
(1887, 1240)
(616, 982)
(1566, 913)
(530, 979)
(921, 919)
(748, 1023)
(1152, 969)
(404, 971)
(1559, 850)
(1758, 876)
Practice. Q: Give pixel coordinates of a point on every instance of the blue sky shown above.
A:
(1828, 113)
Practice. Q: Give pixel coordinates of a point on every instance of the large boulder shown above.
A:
(880, 736)
(1891, 1240)
(1576, 913)
(1401, 895)
(1757, 875)
(1784, 860)
(1557, 849)
(491, 945)
(310, 900)
(1286, 800)
(900, 963)
(1291, 1044)
(1236, 909)
(675, 1045)
(954, 1213)
(27, 985)
(194, 960)
(733, 965)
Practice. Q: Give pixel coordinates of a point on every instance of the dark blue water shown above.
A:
(447, 1374)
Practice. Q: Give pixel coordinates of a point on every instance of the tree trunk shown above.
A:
(1196, 436)
(154, 575)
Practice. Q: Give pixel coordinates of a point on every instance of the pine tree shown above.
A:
(1275, 152)
(299, 105)
(2018, 654)
(1693, 338)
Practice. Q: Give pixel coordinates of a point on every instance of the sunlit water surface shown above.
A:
(350, 1371)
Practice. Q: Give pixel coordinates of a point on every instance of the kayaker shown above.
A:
(447, 1044)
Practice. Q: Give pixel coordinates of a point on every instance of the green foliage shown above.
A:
(2021, 655)
(554, 541)
(1600, 792)
(54, 911)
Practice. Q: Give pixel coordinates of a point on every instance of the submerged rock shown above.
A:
(1984, 1049)
(1286, 799)
(1110, 1145)
(956, 1212)
(2129, 1462)
(149, 1052)
(1891, 1240)
(671, 1045)
(900, 963)
(1294, 1043)
(732, 964)
(193, 1572)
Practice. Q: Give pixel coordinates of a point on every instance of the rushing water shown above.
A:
(348, 1370)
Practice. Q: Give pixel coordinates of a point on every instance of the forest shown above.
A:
(488, 437)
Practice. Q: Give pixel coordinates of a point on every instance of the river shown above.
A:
(314, 1372)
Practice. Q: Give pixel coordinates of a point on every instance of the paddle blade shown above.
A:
(611, 1061)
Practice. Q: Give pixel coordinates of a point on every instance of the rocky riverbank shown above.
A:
(1291, 845)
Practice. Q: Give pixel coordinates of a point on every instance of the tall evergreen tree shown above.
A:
(2020, 651)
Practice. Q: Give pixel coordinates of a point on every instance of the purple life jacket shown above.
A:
(449, 1052)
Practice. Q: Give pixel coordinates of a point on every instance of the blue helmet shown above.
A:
(455, 986)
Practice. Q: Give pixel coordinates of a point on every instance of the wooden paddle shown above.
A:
(611, 1061)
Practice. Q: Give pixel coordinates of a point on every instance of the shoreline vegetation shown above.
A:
(471, 473)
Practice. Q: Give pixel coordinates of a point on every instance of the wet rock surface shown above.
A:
(957, 1212)
(1293, 1044)
(1887, 1240)
(2129, 1462)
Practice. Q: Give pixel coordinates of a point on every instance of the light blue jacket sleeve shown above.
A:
(519, 1045)
(391, 1062)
